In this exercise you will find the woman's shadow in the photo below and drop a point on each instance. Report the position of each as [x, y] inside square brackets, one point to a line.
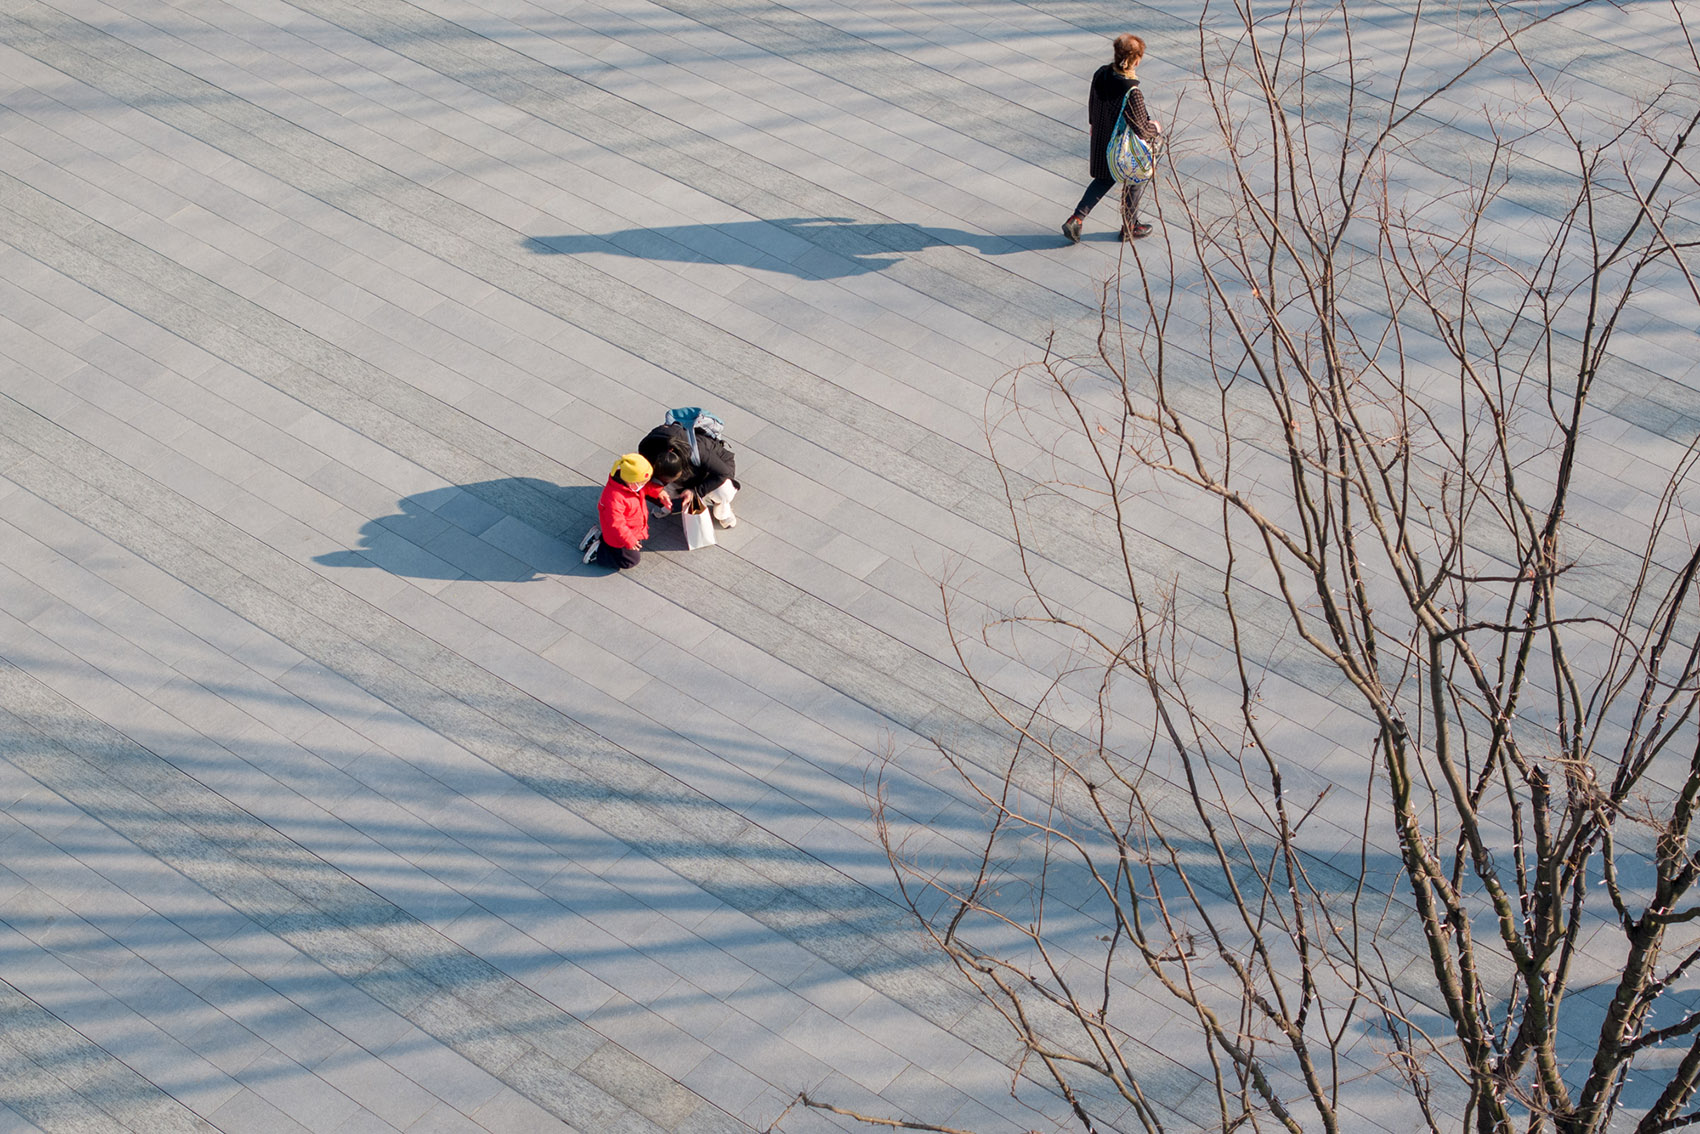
[812, 248]
[513, 530]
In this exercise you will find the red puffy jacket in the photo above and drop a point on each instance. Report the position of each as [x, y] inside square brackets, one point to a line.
[622, 514]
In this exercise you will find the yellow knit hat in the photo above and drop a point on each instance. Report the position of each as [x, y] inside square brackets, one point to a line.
[633, 469]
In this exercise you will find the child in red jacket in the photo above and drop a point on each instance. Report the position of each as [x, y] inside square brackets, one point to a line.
[622, 516]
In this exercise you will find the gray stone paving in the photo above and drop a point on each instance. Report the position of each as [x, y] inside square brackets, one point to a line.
[337, 795]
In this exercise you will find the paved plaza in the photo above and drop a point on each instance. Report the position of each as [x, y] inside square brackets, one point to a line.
[337, 794]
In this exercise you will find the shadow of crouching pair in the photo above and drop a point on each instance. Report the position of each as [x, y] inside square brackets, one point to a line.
[513, 530]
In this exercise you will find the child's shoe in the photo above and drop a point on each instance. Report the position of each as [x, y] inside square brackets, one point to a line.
[723, 516]
[591, 544]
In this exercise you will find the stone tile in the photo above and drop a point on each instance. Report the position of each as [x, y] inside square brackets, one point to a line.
[248, 1112]
[365, 1122]
[386, 1095]
[297, 1092]
[14, 1123]
[510, 1110]
[445, 1119]
[446, 1074]
[779, 1063]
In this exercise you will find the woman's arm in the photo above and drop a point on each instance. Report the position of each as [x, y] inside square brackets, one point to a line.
[1143, 124]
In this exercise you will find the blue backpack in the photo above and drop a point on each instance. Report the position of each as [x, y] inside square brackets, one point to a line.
[693, 418]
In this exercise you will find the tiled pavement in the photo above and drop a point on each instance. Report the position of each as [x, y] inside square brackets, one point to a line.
[338, 795]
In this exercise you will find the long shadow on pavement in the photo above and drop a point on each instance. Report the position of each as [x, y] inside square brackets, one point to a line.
[512, 530]
[807, 247]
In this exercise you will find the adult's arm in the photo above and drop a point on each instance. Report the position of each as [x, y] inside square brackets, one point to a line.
[1140, 119]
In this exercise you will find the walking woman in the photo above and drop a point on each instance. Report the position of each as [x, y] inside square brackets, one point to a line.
[1110, 84]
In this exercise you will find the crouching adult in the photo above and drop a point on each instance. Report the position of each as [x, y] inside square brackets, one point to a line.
[707, 471]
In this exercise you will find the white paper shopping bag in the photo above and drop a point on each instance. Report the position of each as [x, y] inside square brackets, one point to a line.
[699, 528]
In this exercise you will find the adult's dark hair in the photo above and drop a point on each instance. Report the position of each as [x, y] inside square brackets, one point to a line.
[669, 466]
[1130, 49]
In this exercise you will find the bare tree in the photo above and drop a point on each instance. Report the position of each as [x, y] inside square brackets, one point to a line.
[1373, 802]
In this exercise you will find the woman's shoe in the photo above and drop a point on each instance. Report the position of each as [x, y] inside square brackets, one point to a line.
[1138, 231]
[1072, 226]
[723, 516]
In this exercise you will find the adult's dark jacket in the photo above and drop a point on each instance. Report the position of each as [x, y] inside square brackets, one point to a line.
[718, 464]
[1104, 103]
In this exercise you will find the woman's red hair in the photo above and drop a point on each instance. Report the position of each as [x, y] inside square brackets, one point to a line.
[1130, 49]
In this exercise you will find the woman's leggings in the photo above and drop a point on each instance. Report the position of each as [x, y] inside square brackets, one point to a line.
[1102, 185]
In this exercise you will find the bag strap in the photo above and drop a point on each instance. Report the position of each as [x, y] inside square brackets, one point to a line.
[694, 418]
[1123, 126]
[686, 419]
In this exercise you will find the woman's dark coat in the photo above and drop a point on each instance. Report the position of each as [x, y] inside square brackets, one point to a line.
[718, 464]
[1102, 105]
